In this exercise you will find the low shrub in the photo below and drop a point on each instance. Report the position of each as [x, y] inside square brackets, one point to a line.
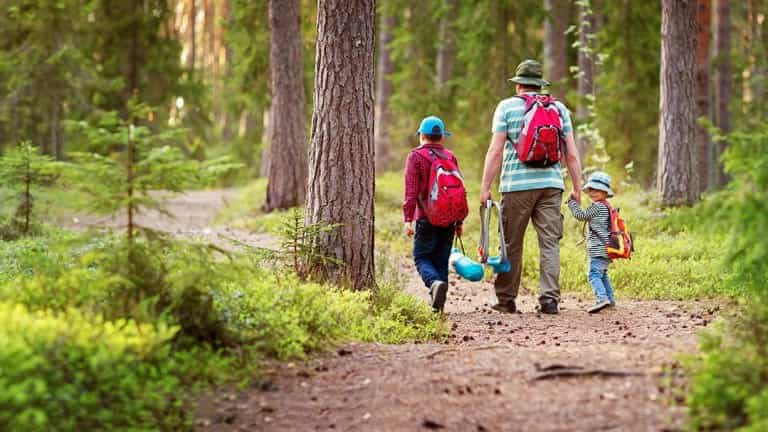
[284, 317]
[70, 371]
[728, 385]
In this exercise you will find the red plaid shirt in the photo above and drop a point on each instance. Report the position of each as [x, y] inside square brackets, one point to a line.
[417, 181]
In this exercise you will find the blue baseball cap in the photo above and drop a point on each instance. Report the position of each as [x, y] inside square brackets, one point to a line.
[432, 126]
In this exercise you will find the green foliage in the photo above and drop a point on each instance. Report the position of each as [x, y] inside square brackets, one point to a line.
[25, 171]
[284, 317]
[69, 371]
[299, 244]
[745, 206]
[728, 389]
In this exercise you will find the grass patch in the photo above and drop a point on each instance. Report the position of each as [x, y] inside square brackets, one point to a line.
[679, 251]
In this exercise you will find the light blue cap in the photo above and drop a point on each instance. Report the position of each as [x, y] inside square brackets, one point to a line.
[432, 126]
[600, 181]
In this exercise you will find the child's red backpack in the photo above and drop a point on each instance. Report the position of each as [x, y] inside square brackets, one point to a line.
[620, 243]
[447, 199]
[541, 138]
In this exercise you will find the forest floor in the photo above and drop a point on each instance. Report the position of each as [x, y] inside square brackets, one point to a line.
[617, 370]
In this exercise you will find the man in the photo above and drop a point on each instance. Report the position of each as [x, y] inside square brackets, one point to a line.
[528, 193]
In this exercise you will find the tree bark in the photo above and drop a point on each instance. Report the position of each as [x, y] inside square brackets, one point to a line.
[288, 155]
[586, 71]
[446, 51]
[192, 35]
[704, 24]
[265, 142]
[723, 84]
[555, 44]
[676, 178]
[383, 116]
[341, 168]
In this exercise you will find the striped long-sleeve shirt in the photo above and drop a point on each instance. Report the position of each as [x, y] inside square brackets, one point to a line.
[599, 219]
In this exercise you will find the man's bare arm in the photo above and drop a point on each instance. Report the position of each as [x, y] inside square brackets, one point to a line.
[573, 162]
[492, 165]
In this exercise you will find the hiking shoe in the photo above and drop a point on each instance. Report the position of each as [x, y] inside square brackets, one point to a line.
[549, 308]
[505, 308]
[597, 307]
[437, 293]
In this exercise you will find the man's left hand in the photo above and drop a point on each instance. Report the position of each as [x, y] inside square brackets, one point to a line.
[459, 230]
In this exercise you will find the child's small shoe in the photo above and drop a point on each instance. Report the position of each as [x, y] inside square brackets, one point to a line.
[437, 294]
[597, 307]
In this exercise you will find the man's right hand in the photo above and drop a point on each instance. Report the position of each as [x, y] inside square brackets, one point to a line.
[484, 197]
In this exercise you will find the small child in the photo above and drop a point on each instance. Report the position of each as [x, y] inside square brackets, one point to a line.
[431, 244]
[598, 216]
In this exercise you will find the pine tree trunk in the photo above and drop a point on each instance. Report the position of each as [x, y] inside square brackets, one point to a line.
[446, 51]
[192, 35]
[586, 69]
[555, 44]
[382, 139]
[265, 137]
[676, 178]
[288, 154]
[341, 168]
[723, 84]
[704, 24]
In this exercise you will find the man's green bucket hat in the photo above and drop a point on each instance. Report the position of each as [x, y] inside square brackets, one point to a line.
[530, 72]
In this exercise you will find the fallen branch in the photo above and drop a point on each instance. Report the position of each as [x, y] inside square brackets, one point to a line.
[447, 350]
[580, 372]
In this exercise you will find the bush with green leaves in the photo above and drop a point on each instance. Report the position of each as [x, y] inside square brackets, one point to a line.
[71, 371]
[284, 317]
[729, 383]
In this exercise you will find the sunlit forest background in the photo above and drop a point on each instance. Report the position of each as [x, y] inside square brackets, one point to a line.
[204, 65]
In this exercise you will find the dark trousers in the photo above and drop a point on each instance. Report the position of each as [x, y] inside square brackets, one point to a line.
[431, 250]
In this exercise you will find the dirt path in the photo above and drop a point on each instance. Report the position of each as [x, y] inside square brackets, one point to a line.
[489, 376]
[190, 215]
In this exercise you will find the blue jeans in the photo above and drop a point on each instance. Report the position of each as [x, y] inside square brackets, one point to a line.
[598, 278]
[431, 250]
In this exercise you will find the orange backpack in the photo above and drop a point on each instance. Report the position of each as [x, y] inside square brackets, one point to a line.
[620, 243]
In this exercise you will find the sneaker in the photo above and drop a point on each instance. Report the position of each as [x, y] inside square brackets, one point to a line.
[437, 293]
[550, 308]
[597, 307]
[505, 308]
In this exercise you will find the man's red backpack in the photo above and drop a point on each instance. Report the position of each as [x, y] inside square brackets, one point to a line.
[620, 242]
[541, 138]
[446, 201]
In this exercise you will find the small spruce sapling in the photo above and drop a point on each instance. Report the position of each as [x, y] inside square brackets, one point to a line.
[146, 162]
[25, 171]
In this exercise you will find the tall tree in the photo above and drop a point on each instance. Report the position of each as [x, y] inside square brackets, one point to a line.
[703, 35]
[341, 167]
[586, 68]
[556, 43]
[446, 50]
[385, 67]
[723, 83]
[676, 179]
[288, 156]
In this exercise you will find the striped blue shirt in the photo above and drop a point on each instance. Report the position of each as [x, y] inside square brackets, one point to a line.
[515, 175]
